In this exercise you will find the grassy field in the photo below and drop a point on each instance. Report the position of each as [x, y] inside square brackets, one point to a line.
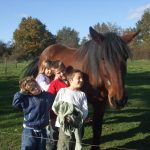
[128, 128]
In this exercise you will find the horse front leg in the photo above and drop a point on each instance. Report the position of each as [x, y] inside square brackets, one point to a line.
[98, 113]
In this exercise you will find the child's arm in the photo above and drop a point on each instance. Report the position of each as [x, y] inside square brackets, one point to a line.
[18, 100]
[44, 85]
[84, 107]
[42, 82]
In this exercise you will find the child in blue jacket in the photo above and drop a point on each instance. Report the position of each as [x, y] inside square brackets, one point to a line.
[35, 105]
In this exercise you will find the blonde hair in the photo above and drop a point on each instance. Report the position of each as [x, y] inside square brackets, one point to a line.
[27, 84]
[45, 64]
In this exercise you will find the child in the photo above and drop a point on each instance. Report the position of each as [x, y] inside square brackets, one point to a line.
[58, 83]
[45, 72]
[72, 101]
[60, 78]
[35, 104]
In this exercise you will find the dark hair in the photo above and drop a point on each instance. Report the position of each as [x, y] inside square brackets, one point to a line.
[70, 72]
[57, 64]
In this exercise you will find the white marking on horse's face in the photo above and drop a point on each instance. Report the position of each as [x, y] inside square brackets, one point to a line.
[108, 82]
[110, 101]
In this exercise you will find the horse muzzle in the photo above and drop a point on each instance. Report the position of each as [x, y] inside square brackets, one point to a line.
[118, 103]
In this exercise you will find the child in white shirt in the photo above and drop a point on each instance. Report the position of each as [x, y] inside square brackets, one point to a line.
[71, 95]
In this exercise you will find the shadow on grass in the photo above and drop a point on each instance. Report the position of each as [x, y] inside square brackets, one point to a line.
[133, 79]
[143, 117]
[143, 144]
[139, 87]
[8, 86]
[10, 124]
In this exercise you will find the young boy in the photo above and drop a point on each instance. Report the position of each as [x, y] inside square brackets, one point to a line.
[60, 78]
[58, 83]
[70, 100]
[35, 104]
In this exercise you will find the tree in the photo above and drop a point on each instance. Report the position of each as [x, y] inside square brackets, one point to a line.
[141, 45]
[84, 40]
[2, 48]
[144, 25]
[108, 27]
[5, 50]
[31, 38]
[68, 37]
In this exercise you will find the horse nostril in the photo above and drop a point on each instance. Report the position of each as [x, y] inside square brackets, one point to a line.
[114, 102]
[121, 103]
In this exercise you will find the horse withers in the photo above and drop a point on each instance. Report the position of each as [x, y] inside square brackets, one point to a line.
[103, 62]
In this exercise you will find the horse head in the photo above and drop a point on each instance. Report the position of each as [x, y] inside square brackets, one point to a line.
[113, 55]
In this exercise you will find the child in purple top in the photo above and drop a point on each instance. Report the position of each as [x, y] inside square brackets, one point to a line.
[45, 72]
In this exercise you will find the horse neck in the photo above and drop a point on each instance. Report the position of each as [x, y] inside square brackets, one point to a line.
[89, 66]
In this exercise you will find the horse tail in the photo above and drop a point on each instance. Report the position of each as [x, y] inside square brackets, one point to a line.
[32, 68]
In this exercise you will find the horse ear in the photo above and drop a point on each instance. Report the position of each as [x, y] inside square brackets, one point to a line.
[96, 36]
[127, 37]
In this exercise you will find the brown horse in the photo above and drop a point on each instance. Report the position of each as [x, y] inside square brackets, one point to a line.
[103, 62]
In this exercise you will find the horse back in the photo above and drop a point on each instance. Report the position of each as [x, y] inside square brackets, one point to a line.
[58, 52]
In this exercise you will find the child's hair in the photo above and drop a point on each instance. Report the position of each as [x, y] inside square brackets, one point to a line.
[45, 64]
[57, 64]
[27, 84]
[70, 72]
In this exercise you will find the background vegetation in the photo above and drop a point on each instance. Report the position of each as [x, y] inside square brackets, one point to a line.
[128, 128]
[32, 37]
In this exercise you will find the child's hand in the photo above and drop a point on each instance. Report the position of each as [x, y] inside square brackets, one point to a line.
[23, 92]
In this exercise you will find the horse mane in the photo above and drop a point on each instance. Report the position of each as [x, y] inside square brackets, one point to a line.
[112, 50]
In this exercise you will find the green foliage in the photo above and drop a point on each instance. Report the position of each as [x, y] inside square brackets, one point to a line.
[107, 27]
[5, 49]
[68, 36]
[84, 39]
[2, 48]
[32, 37]
[144, 25]
[141, 45]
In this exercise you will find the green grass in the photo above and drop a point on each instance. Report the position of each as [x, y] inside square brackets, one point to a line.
[10, 120]
[128, 128]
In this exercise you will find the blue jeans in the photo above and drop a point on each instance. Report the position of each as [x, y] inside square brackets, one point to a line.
[32, 140]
